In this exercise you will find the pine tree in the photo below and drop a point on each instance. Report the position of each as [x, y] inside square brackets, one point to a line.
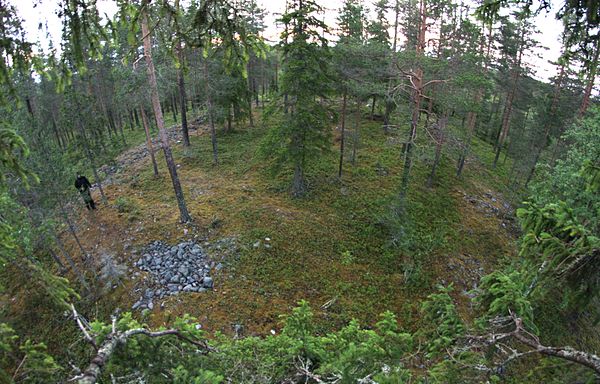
[184, 214]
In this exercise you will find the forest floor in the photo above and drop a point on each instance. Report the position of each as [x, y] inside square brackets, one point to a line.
[330, 247]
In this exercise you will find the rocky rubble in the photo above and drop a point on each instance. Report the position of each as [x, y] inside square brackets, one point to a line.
[184, 267]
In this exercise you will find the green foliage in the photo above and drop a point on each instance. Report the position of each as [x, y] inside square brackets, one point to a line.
[26, 362]
[128, 207]
[562, 255]
[12, 151]
[443, 323]
[574, 177]
[502, 293]
[303, 134]
[347, 257]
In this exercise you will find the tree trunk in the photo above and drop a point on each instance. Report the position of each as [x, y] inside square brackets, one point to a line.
[149, 141]
[591, 78]
[164, 138]
[136, 118]
[342, 136]
[506, 115]
[409, 144]
[213, 131]
[416, 96]
[229, 118]
[553, 106]
[122, 132]
[182, 97]
[355, 133]
[71, 262]
[298, 184]
[373, 106]
[57, 260]
[389, 106]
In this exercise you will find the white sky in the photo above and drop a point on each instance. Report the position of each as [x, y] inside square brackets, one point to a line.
[45, 13]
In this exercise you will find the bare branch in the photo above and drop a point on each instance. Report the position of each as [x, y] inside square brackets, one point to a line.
[115, 338]
[86, 334]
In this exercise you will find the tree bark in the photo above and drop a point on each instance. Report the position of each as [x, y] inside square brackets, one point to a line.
[149, 145]
[355, 133]
[182, 97]
[506, 115]
[184, 214]
[553, 107]
[591, 78]
[416, 101]
[342, 136]
[213, 131]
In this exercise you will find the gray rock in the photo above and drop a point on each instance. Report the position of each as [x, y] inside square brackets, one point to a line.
[150, 305]
[174, 279]
[188, 288]
[207, 282]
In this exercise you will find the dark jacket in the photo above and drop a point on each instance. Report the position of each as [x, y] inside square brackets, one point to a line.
[82, 183]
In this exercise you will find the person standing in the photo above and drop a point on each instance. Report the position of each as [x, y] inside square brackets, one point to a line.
[83, 185]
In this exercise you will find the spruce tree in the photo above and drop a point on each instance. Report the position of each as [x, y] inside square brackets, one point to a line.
[303, 134]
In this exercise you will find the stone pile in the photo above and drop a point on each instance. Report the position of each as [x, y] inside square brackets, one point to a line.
[184, 267]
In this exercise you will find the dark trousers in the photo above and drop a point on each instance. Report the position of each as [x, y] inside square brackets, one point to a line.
[87, 197]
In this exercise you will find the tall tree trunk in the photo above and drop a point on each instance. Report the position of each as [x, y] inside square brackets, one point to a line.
[149, 145]
[355, 133]
[182, 97]
[410, 142]
[174, 107]
[58, 261]
[229, 119]
[591, 78]
[472, 116]
[164, 138]
[389, 103]
[213, 131]
[122, 132]
[342, 136]
[416, 101]
[135, 116]
[553, 107]
[506, 115]
[373, 107]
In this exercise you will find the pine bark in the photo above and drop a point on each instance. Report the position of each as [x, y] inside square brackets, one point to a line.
[160, 123]
[149, 145]
[416, 102]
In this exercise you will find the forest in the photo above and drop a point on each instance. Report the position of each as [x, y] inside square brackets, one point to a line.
[395, 196]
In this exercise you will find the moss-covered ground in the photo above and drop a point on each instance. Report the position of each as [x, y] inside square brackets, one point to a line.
[333, 247]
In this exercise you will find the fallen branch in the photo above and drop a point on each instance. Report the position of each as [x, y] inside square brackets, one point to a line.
[115, 338]
[526, 338]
